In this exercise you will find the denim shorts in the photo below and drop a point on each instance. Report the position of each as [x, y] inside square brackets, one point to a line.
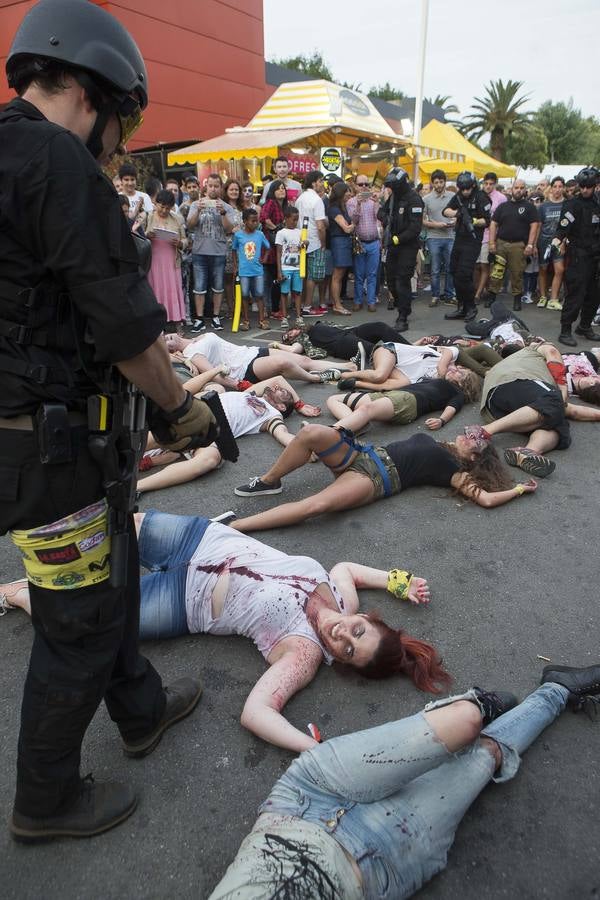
[253, 286]
[292, 282]
[167, 543]
[209, 272]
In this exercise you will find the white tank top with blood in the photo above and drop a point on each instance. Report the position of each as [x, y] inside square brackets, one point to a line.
[267, 594]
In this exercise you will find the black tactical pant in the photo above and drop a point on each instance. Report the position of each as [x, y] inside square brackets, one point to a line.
[399, 269]
[85, 645]
[582, 289]
[345, 343]
[462, 265]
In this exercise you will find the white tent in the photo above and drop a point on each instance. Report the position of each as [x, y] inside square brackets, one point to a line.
[533, 176]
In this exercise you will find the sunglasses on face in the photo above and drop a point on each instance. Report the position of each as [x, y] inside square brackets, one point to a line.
[363, 183]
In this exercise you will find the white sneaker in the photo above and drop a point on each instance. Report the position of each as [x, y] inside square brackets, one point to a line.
[526, 298]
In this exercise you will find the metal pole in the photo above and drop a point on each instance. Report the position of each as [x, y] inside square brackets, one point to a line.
[420, 80]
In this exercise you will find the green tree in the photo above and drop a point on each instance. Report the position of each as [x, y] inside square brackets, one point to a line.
[528, 147]
[386, 92]
[500, 113]
[441, 100]
[565, 130]
[313, 65]
[591, 147]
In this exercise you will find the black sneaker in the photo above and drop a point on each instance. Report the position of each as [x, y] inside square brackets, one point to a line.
[198, 326]
[493, 704]
[582, 684]
[256, 487]
[360, 357]
[565, 337]
[588, 333]
[328, 375]
[400, 325]
[182, 697]
[346, 384]
[98, 807]
[216, 324]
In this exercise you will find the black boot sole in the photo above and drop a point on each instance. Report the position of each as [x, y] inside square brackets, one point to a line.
[34, 836]
[137, 751]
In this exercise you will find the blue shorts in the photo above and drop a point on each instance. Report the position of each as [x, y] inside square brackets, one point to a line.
[209, 272]
[253, 286]
[292, 282]
[167, 543]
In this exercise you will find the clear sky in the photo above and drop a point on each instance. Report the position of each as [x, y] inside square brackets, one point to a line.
[553, 46]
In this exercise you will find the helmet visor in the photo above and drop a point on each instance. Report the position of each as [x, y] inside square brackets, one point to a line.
[130, 116]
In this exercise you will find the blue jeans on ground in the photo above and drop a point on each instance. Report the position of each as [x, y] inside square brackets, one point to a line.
[167, 543]
[439, 251]
[366, 266]
[393, 796]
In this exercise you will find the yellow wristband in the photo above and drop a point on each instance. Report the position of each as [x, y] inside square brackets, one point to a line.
[399, 582]
[519, 489]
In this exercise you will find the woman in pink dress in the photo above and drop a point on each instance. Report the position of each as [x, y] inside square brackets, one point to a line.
[167, 233]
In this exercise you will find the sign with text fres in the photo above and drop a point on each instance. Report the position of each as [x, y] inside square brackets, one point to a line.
[332, 161]
[301, 165]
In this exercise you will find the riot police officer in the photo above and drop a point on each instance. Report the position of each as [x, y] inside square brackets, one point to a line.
[402, 218]
[472, 210]
[579, 224]
[75, 311]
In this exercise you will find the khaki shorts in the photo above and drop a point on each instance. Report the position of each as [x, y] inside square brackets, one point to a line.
[484, 253]
[405, 405]
[364, 465]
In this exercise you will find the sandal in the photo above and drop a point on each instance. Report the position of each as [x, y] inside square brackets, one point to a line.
[5, 604]
[244, 326]
[529, 461]
[340, 312]
[265, 325]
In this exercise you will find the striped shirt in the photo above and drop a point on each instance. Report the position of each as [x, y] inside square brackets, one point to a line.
[365, 218]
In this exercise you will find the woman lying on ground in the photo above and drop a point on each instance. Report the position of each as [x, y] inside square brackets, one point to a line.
[337, 826]
[395, 365]
[260, 408]
[206, 578]
[355, 410]
[469, 464]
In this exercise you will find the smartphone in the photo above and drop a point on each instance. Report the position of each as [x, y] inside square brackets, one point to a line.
[208, 202]
[364, 194]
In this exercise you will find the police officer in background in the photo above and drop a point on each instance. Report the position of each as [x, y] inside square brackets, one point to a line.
[579, 223]
[402, 219]
[74, 308]
[472, 210]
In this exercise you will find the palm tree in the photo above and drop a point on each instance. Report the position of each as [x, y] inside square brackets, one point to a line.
[442, 102]
[500, 113]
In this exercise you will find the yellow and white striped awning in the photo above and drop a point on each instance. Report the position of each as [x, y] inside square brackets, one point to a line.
[321, 104]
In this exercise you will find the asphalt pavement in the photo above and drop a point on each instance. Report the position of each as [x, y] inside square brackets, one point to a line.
[509, 586]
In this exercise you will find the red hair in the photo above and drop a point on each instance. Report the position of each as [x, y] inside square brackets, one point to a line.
[399, 653]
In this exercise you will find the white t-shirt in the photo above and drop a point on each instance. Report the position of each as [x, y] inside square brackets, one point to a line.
[289, 239]
[418, 363]
[219, 352]
[310, 204]
[267, 591]
[246, 412]
[507, 332]
[147, 204]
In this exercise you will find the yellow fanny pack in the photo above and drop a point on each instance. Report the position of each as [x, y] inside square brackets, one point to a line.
[73, 552]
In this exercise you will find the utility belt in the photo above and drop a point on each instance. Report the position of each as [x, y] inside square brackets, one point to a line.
[116, 426]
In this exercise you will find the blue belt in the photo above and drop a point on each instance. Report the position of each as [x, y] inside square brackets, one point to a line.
[347, 438]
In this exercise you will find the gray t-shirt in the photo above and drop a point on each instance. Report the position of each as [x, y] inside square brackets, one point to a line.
[549, 216]
[434, 204]
[210, 238]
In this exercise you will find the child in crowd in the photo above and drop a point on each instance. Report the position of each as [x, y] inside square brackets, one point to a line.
[248, 245]
[288, 244]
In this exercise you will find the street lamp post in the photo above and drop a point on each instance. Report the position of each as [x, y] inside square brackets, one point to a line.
[420, 80]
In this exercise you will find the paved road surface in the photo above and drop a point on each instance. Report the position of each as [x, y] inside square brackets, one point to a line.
[507, 585]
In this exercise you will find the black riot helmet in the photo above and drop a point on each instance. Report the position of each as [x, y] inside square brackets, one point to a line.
[396, 177]
[95, 48]
[588, 177]
[466, 181]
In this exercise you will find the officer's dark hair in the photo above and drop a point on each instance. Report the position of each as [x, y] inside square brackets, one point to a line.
[127, 169]
[48, 74]
[438, 173]
[248, 213]
[152, 186]
[165, 197]
[311, 178]
[491, 176]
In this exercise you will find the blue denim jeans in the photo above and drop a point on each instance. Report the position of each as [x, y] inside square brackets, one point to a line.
[167, 543]
[393, 796]
[209, 272]
[366, 266]
[439, 251]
